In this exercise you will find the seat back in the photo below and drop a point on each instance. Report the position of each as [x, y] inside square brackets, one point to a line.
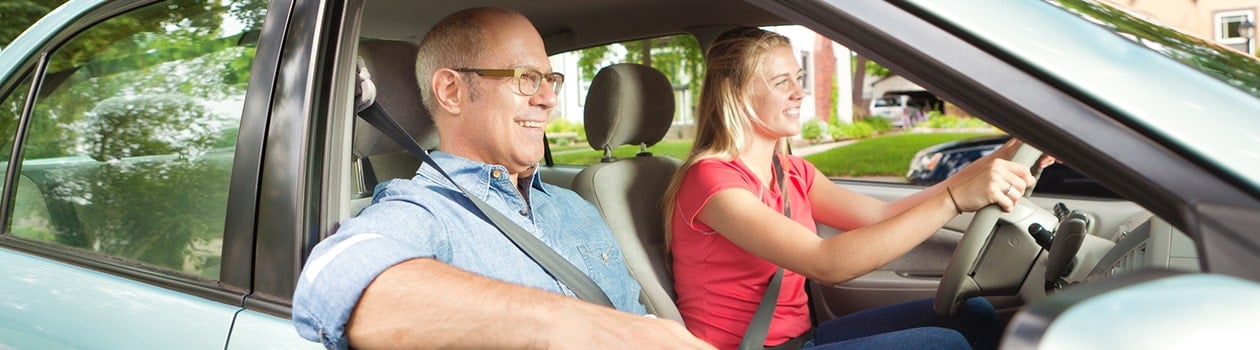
[377, 157]
[392, 65]
[631, 104]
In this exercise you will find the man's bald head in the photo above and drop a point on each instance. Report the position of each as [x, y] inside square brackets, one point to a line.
[458, 40]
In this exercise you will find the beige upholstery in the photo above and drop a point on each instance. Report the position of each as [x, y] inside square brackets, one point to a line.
[392, 65]
[632, 104]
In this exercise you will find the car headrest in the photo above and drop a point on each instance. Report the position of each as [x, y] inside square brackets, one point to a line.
[628, 104]
[392, 67]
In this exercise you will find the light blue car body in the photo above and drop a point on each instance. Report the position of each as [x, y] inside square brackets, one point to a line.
[47, 304]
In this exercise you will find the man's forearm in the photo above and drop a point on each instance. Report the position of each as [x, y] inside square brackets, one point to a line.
[424, 303]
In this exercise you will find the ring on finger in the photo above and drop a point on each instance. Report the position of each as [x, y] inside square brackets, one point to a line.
[1008, 189]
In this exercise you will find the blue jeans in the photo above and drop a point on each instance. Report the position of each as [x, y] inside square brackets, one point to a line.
[912, 325]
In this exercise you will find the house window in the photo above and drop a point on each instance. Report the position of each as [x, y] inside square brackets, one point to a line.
[807, 63]
[1226, 26]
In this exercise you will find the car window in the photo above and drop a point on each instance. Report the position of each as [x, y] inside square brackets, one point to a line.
[898, 132]
[677, 56]
[131, 138]
[885, 102]
[878, 153]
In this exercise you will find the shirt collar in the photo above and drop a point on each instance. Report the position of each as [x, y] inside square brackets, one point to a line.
[467, 172]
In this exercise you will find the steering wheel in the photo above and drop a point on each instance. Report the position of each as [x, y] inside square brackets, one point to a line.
[958, 282]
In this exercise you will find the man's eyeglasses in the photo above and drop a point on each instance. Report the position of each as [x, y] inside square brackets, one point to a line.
[527, 80]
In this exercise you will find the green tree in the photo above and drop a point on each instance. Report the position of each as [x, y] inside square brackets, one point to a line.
[17, 15]
[861, 68]
[154, 194]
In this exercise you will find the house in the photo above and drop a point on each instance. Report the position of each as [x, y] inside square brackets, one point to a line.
[1215, 20]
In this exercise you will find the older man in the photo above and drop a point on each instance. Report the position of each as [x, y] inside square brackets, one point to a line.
[420, 267]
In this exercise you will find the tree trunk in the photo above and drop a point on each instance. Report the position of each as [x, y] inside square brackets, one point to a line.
[859, 82]
[646, 49]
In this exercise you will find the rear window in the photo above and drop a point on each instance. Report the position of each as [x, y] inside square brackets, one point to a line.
[131, 138]
[886, 102]
[678, 57]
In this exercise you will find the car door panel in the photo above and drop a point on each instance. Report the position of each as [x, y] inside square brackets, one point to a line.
[254, 330]
[66, 306]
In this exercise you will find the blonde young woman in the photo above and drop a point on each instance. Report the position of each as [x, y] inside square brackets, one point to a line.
[728, 233]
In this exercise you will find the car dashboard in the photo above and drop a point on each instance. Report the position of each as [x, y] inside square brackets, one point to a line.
[1141, 242]
[1143, 291]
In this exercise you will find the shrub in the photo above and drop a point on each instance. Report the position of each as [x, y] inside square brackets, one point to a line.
[812, 131]
[559, 125]
[879, 125]
[946, 121]
[858, 130]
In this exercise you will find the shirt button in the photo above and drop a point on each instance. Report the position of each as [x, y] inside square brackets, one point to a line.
[604, 256]
[496, 173]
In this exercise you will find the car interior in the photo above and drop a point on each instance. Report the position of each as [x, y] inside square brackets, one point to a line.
[186, 156]
[1117, 236]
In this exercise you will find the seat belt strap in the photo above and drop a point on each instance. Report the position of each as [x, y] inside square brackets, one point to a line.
[555, 265]
[755, 335]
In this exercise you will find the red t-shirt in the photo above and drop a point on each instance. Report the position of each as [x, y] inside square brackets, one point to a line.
[719, 285]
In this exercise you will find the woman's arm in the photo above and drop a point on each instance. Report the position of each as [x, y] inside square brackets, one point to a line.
[846, 210]
[742, 218]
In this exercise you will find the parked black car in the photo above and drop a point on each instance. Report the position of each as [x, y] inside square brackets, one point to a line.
[936, 163]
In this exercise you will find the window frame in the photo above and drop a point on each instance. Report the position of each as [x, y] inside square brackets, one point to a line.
[1221, 21]
[229, 288]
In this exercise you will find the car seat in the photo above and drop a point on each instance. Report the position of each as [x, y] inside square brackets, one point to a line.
[632, 104]
[392, 66]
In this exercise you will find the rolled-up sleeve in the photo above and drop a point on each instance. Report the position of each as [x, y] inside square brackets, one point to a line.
[342, 266]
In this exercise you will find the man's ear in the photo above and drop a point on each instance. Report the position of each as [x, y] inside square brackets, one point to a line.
[447, 87]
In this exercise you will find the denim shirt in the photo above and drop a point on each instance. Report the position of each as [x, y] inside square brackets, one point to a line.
[427, 217]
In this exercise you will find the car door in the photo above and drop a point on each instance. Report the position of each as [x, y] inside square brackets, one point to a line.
[915, 275]
[126, 118]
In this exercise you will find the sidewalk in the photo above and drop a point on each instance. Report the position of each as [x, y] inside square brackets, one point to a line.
[801, 151]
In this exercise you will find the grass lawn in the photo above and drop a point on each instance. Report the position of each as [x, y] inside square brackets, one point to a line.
[881, 156]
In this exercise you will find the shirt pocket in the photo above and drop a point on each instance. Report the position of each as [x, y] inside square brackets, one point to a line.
[602, 259]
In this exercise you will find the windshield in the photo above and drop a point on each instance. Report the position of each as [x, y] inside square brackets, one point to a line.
[1225, 64]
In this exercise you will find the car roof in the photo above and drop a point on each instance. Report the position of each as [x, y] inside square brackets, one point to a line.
[573, 24]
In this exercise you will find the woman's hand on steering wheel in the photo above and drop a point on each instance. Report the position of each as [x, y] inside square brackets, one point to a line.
[996, 181]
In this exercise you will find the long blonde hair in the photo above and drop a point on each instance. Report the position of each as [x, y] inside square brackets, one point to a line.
[724, 117]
